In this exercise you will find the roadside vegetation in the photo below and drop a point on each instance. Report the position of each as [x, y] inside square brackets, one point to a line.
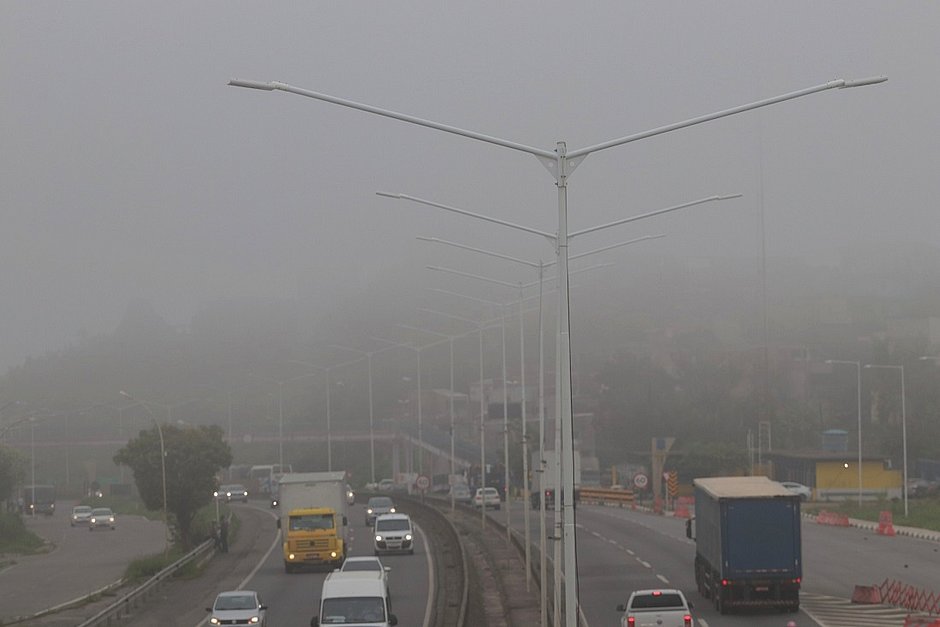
[16, 538]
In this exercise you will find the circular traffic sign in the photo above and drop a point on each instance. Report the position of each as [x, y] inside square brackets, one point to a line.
[640, 480]
[422, 482]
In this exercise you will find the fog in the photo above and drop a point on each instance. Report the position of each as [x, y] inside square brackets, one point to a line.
[132, 173]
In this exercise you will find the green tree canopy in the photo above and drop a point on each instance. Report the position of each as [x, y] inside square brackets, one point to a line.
[193, 457]
[12, 466]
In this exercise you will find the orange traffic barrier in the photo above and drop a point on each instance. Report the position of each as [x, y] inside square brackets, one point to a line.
[866, 595]
[885, 524]
[832, 518]
[682, 507]
[921, 621]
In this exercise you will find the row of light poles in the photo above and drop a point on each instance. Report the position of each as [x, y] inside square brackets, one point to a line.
[561, 164]
[858, 371]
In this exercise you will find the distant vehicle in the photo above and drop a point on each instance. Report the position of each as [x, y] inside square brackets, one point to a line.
[377, 506]
[232, 492]
[461, 493]
[386, 485]
[922, 487]
[81, 515]
[350, 495]
[368, 566]
[354, 599]
[487, 497]
[805, 493]
[39, 499]
[238, 607]
[101, 517]
[393, 533]
[656, 608]
[748, 551]
[266, 476]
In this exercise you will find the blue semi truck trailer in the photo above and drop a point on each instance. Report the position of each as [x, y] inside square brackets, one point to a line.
[747, 543]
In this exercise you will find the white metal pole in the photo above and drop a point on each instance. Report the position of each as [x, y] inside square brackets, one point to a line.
[858, 369]
[452, 461]
[420, 432]
[525, 450]
[482, 440]
[502, 339]
[371, 420]
[280, 424]
[543, 556]
[904, 438]
[329, 425]
[32, 464]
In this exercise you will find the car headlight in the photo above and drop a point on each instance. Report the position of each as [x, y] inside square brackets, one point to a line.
[392, 510]
[229, 494]
[369, 511]
[290, 556]
[92, 520]
[254, 620]
[333, 554]
[407, 536]
[216, 494]
[214, 621]
[111, 519]
[378, 538]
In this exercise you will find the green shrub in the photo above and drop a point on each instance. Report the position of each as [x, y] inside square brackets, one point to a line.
[16, 538]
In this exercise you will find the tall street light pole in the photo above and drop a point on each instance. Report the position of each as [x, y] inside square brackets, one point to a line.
[561, 164]
[368, 355]
[858, 371]
[162, 464]
[903, 426]
[328, 370]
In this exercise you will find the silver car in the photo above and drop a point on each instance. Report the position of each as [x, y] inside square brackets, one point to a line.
[101, 518]
[238, 607]
[377, 506]
[81, 514]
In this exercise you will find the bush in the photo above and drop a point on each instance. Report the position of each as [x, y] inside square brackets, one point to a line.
[16, 538]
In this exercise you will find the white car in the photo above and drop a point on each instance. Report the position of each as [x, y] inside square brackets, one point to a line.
[101, 517]
[487, 497]
[238, 607]
[393, 533]
[656, 608]
[81, 515]
[805, 493]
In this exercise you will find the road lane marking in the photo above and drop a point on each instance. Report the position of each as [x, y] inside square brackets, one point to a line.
[663, 579]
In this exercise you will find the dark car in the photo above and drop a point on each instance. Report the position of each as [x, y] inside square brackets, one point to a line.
[232, 492]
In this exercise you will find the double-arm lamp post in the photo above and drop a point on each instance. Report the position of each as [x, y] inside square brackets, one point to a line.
[561, 164]
[858, 384]
[903, 427]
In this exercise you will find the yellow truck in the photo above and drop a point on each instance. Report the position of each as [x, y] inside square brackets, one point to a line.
[313, 519]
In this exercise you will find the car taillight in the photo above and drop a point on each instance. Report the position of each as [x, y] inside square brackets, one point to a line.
[687, 620]
[631, 622]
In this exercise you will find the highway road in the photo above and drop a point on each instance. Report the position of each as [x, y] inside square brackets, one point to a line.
[81, 562]
[620, 550]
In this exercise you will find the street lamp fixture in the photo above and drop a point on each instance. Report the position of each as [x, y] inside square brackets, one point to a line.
[162, 464]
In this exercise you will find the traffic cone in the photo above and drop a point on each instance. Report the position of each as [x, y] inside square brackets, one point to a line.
[885, 524]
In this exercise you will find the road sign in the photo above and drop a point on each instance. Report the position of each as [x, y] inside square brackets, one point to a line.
[640, 481]
[422, 482]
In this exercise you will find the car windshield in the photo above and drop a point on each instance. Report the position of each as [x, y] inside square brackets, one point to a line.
[656, 601]
[311, 522]
[380, 501]
[236, 602]
[101, 512]
[357, 565]
[396, 524]
[81, 509]
[352, 610]
[233, 488]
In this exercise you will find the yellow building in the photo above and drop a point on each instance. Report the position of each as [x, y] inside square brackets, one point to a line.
[835, 476]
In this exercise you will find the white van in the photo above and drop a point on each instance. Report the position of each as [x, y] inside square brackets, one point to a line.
[354, 600]
[393, 533]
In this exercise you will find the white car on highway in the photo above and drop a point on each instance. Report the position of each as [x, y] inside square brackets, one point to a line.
[656, 608]
[805, 493]
[487, 497]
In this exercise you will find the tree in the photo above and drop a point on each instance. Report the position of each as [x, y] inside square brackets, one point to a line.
[194, 455]
[11, 471]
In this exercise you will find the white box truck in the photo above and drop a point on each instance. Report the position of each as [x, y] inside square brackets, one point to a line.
[313, 519]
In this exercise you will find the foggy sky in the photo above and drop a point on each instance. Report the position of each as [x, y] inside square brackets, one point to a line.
[130, 170]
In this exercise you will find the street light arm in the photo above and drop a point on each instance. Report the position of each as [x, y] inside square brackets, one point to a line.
[474, 276]
[643, 216]
[550, 236]
[477, 250]
[612, 246]
[275, 85]
[836, 84]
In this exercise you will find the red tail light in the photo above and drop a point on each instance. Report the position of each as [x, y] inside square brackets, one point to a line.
[724, 582]
[631, 622]
[687, 620]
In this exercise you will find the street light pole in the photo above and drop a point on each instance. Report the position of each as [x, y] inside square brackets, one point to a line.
[162, 464]
[561, 165]
[903, 427]
[858, 371]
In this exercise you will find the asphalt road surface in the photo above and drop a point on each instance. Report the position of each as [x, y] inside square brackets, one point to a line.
[80, 562]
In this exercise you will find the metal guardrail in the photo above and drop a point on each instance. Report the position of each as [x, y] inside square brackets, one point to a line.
[139, 595]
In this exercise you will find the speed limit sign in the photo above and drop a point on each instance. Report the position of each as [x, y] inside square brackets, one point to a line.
[422, 482]
[640, 481]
